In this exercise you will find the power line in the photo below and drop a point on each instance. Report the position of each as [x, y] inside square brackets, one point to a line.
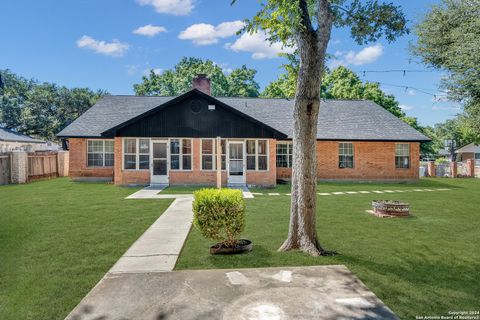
[404, 71]
[435, 95]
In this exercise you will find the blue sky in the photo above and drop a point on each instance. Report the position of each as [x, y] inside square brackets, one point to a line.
[108, 44]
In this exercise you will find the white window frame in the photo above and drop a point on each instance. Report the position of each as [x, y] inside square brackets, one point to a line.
[257, 155]
[213, 154]
[137, 153]
[409, 155]
[103, 153]
[181, 154]
[340, 149]
[288, 154]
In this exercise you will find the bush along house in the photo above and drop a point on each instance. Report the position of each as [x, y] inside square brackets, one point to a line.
[194, 138]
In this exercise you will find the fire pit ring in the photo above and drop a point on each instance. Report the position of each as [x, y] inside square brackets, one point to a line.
[390, 208]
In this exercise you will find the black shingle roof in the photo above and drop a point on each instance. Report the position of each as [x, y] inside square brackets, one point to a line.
[9, 135]
[338, 119]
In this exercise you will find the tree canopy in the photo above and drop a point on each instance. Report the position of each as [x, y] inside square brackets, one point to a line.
[239, 82]
[449, 39]
[41, 109]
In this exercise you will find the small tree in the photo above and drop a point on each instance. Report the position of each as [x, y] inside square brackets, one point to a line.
[219, 214]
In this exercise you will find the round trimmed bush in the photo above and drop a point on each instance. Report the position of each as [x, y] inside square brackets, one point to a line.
[219, 214]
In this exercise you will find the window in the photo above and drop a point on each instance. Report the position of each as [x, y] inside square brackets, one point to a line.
[181, 154]
[345, 155]
[251, 155]
[100, 153]
[402, 155]
[284, 154]
[209, 154]
[257, 155]
[136, 154]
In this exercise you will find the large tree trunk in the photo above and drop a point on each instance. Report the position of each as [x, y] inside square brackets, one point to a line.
[312, 47]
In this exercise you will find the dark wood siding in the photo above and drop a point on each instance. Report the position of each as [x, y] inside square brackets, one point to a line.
[191, 118]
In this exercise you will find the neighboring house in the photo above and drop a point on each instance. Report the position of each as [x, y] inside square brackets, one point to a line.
[150, 140]
[470, 151]
[11, 140]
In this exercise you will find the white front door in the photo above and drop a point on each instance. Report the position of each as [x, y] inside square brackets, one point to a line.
[236, 162]
[159, 164]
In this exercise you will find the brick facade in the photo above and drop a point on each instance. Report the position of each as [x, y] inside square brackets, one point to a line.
[373, 161]
[78, 169]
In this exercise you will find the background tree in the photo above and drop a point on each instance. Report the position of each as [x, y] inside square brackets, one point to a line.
[41, 109]
[449, 39]
[307, 25]
[240, 82]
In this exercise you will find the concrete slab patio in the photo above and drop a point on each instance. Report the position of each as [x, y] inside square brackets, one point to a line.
[317, 292]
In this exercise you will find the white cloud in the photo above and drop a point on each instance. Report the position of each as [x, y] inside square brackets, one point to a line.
[258, 45]
[149, 30]
[452, 108]
[202, 34]
[131, 69]
[405, 107]
[364, 56]
[411, 92]
[113, 49]
[174, 7]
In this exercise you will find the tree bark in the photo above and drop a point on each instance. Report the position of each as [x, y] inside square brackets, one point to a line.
[312, 45]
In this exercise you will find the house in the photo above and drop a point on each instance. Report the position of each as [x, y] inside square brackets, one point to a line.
[11, 140]
[470, 151]
[172, 140]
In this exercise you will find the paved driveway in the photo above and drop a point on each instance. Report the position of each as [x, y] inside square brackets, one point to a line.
[317, 292]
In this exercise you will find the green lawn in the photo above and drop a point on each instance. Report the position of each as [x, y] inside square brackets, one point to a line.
[425, 265]
[58, 238]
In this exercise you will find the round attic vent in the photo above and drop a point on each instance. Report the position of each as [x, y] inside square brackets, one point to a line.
[196, 106]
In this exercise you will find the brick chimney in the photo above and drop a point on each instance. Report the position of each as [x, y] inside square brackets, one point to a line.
[202, 82]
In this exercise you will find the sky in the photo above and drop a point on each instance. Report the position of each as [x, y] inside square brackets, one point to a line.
[111, 44]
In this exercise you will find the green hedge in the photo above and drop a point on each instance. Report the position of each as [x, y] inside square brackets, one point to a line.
[219, 214]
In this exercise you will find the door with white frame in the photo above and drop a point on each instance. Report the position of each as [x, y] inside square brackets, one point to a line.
[159, 165]
[236, 162]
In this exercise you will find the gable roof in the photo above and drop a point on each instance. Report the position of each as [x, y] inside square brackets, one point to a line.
[338, 119]
[471, 147]
[12, 136]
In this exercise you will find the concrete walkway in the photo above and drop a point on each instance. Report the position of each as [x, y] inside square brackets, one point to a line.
[154, 192]
[316, 292]
[157, 250]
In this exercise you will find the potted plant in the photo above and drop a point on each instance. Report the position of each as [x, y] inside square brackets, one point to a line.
[219, 214]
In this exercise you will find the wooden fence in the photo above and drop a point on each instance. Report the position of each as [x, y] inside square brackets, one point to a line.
[42, 165]
[5, 168]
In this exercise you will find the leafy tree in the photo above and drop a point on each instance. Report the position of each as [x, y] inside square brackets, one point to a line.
[457, 130]
[240, 82]
[41, 109]
[448, 39]
[307, 25]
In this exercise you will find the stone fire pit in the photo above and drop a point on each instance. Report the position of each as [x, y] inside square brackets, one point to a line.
[390, 208]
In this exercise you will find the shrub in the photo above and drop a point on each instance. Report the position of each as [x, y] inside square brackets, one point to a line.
[219, 214]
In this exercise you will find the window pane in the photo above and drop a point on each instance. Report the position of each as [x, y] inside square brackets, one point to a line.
[109, 146]
[282, 161]
[144, 161]
[207, 162]
[186, 146]
[95, 160]
[262, 162]
[175, 162]
[262, 146]
[223, 143]
[130, 146]
[402, 162]
[250, 162]
[175, 146]
[187, 162]
[290, 161]
[207, 146]
[224, 162]
[159, 150]
[250, 146]
[290, 148]
[109, 159]
[144, 145]
[130, 161]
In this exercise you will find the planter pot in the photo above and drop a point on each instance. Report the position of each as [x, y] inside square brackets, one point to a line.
[242, 245]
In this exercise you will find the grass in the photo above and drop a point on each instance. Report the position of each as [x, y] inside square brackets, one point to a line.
[425, 265]
[182, 189]
[58, 238]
